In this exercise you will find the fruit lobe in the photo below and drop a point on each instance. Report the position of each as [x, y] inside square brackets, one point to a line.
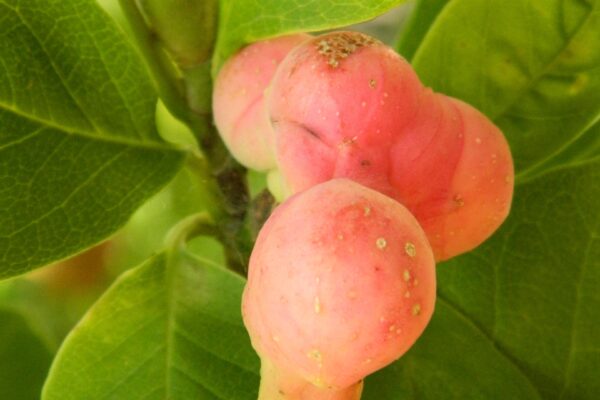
[345, 105]
[341, 283]
[238, 100]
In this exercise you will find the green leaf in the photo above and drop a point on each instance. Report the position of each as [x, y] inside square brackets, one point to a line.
[170, 328]
[24, 358]
[420, 20]
[521, 311]
[247, 21]
[585, 148]
[533, 67]
[443, 364]
[79, 151]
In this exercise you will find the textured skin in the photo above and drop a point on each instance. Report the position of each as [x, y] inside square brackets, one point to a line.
[345, 105]
[341, 283]
[238, 100]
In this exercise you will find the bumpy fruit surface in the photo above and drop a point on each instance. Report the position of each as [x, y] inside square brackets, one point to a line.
[341, 283]
[238, 100]
[345, 105]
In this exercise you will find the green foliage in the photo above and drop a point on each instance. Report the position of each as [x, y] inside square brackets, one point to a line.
[79, 151]
[531, 67]
[24, 358]
[177, 22]
[243, 22]
[424, 14]
[170, 328]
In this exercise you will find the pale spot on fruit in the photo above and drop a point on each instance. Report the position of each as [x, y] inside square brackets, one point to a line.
[392, 328]
[316, 355]
[381, 243]
[410, 249]
[385, 94]
[507, 179]
[317, 305]
[407, 294]
[276, 339]
[416, 282]
[352, 294]
[382, 319]
[406, 275]
[340, 236]
[363, 104]
[368, 361]
[372, 83]
[367, 211]
[337, 113]
[478, 140]
[416, 309]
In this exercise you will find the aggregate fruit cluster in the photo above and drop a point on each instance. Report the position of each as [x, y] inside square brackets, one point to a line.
[379, 177]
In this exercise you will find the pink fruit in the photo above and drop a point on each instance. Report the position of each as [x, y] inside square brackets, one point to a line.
[341, 283]
[345, 105]
[238, 101]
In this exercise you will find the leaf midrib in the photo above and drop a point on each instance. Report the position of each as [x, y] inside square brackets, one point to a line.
[172, 262]
[63, 82]
[88, 135]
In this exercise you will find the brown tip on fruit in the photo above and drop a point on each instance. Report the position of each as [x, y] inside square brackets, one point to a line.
[338, 46]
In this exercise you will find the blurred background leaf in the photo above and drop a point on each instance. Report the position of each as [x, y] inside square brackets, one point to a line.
[424, 13]
[24, 357]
